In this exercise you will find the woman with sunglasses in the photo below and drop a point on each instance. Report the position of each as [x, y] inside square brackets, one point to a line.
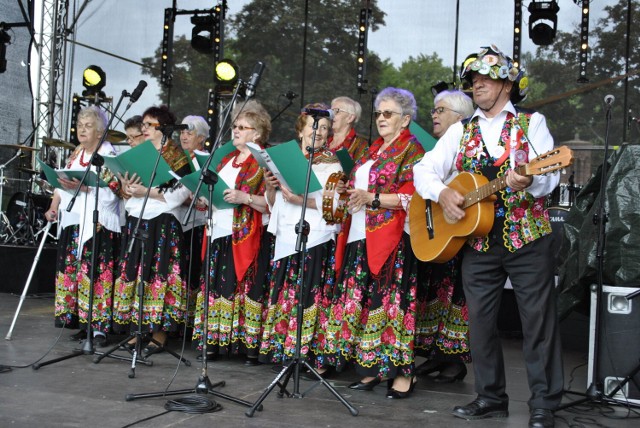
[346, 113]
[372, 318]
[280, 327]
[160, 267]
[442, 333]
[240, 249]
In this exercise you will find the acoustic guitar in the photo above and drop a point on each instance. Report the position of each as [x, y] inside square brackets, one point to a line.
[438, 238]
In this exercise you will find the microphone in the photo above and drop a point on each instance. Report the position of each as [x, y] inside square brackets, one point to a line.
[290, 95]
[609, 99]
[170, 129]
[318, 113]
[136, 93]
[255, 79]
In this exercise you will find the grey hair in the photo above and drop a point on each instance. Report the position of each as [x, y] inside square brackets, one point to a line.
[402, 97]
[458, 101]
[355, 107]
[97, 114]
[200, 125]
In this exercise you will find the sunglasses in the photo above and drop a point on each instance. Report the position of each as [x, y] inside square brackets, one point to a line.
[386, 114]
[242, 128]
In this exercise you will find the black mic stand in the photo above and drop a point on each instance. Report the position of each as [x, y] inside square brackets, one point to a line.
[143, 237]
[98, 161]
[595, 393]
[293, 367]
[204, 384]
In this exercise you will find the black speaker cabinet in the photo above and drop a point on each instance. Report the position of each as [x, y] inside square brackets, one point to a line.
[619, 341]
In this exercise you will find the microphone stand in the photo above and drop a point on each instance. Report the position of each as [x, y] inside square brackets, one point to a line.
[143, 237]
[97, 161]
[595, 391]
[293, 368]
[203, 384]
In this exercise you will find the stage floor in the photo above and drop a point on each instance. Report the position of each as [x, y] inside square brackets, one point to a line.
[78, 393]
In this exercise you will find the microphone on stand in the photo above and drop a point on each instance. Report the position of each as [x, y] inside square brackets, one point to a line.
[609, 99]
[136, 93]
[170, 129]
[255, 79]
[318, 112]
[290, 95]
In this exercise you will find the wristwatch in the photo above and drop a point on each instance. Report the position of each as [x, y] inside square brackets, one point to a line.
[250, 200]
[375, 204]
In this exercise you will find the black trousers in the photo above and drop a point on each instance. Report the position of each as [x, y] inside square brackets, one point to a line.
[530, 269]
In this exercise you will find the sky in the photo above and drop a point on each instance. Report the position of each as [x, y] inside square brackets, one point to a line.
[412, 27]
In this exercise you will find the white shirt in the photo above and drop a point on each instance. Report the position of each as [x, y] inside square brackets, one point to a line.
[437, 167]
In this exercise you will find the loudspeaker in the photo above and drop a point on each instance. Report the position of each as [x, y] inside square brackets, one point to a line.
[619, 342]
[15, 265]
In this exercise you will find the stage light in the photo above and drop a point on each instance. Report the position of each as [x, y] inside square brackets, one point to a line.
[543, 20]
[202, 34]
[439, 87]
[361, 62]
[517, 32]
[584, 43]
[226, 71]
[93, 80]
[167, 47]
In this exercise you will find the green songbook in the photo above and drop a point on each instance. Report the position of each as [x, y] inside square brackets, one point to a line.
[140, 160]
[288, 164]
[345, 160]
[52, 175]
[222, 151]
[427, 141]
[190, 181]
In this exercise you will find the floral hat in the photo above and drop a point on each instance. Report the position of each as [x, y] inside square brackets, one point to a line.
[490, 61]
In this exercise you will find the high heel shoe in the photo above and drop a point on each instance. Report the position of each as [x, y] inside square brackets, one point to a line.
[428, 367]
[324, 375]
[394, 394]
[365, 386]
[451, 373]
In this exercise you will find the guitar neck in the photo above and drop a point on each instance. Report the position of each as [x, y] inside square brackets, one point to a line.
[495, 185]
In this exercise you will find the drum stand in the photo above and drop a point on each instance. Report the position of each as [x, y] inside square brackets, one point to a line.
[294, 366]
[7, 233]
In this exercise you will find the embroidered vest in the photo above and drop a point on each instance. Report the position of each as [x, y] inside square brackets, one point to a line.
[519, 217]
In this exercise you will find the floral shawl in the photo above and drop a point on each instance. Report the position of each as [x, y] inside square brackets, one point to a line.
[247, 226]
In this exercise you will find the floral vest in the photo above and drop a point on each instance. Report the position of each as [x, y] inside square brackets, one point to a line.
[519, 217]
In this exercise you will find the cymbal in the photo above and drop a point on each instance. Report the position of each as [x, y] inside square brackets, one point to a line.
[53, 142]
[19, 147]
[28, 170]
[114, 136]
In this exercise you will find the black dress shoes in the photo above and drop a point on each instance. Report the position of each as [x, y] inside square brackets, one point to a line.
[428, 367]
[80, 335]
[307, 375]
[395, 394]
[252, 362]
[451, 372]
[541, 418]
[211, 356]
[365, 386]
[480, 409]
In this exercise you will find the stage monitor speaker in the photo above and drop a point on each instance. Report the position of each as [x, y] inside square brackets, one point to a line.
[619, 342]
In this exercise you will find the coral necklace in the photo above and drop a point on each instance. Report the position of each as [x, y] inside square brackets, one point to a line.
[236, 164]
[81, 160]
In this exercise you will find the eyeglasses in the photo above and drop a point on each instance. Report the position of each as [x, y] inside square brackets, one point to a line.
[441, 110]
[81, 125]
[386, 114]
[149, 124]
[339, 110]
[133, 137]
[242, 128]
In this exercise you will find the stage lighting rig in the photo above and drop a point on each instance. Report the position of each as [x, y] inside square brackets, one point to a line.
[203, 33]
[439, 87]
[543, 21]
[5, 39]
[225, 76]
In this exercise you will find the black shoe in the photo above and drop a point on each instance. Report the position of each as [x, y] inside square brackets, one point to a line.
[252, 362]
[211, 356]
[480, 409]
[151, 349]
[365, 386]
[80, 335]
[392, 393]
[451, 373]
[428, 367]
[541, 418]
[100, 341]
[310, 376]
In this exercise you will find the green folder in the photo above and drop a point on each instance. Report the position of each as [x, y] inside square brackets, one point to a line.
[427, 141]
[190, 181]
[222, 151]
[140, 160]
[52, 175]
[288, 164]
[345, 160]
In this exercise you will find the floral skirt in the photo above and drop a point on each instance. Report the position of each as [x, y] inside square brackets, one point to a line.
[235, 307]
[280, 326]
[442, 326]
[372, 318]
[73, 279]
[158, 272]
